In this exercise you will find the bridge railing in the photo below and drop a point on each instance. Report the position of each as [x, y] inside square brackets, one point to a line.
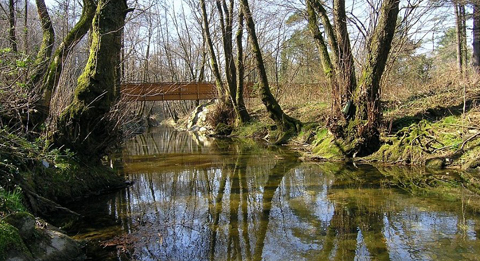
[168, 91]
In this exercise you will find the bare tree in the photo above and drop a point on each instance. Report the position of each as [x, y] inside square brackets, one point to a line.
[213, 58]
[476, 35]
[461, 33]
[286, 124]
[241, 110]
[361, 111]
[11, 29]
[25, 29]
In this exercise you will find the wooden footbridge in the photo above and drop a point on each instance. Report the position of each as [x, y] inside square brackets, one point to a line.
[166, 91]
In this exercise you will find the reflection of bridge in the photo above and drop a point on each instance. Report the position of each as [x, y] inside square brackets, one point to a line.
[168, 91]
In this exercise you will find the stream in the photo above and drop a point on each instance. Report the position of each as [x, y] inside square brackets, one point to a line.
[197, 198]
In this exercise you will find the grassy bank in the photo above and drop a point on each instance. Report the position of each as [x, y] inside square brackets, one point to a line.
[438, 128]
[436, 131]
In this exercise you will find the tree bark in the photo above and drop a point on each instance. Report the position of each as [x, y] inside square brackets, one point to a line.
[367, 95]
[461, 36]
[332, 38]
[11, 29]
[25, 31]
[55, 69]
[328, 67]
[476, 36]
[345, 63]
[213, 58]
[338, 65]
[46, 48]
[286, 124]
[84, 125]
[230, 93]
[242, 113]
[226, 25]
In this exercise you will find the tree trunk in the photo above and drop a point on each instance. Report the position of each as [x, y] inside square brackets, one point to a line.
[242, 113]
[366, 137]
[213, 58]
[25, 30]
[235, 82]
[332, 38]
[345, 64]
[338, 65]
[84, 125]
[226, 25]
[45, 52]
[476, 36]
[464, 36]
[328, 68]
[55, 69]
[287, 125]
[461, 37]
[11, 29]
[230, 94]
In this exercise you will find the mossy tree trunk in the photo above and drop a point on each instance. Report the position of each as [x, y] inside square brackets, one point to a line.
[461, 34]
[54, 71]
[356, 106]
[366, 101]
[85, 125]
[226, 25]
[328, 67]
[242, 113]
[286, 124]
[338, 63]
[46, 48]
[346, 67]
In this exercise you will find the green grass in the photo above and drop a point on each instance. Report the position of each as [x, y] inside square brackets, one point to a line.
[253, 129]
[10, 201]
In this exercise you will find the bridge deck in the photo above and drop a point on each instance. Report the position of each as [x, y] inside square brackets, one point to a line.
[168, 91]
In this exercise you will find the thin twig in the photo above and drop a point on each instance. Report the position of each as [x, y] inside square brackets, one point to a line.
[469, 139]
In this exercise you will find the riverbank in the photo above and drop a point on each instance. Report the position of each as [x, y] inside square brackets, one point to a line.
[436, 131]
[36, 182]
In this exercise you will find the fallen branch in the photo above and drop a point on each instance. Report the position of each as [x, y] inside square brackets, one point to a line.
[469, 139]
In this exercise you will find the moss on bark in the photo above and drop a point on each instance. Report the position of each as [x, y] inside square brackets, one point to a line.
[366, 99]
[46, 48]
[55, 68]
[85, 125]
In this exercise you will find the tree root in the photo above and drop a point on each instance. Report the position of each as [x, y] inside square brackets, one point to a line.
[40, 205]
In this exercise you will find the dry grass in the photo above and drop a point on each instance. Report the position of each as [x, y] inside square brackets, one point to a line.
[305, 102]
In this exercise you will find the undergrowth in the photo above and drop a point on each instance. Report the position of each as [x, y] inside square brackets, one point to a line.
[35, 168]
[11, 201]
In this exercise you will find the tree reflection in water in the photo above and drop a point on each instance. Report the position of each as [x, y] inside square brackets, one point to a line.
[242, 201]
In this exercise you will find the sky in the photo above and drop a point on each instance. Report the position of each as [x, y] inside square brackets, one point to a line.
[428, 37]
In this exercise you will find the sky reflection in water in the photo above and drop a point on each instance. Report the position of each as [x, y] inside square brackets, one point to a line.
[222, 200]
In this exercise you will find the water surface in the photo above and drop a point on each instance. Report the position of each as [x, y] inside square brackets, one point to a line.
[205, 199]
